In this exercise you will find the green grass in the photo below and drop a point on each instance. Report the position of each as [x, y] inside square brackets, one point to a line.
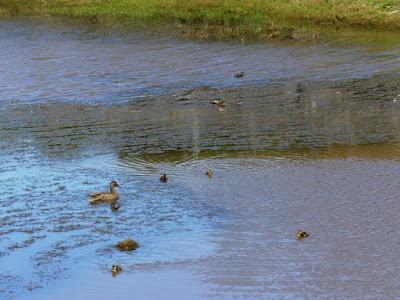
[231, 18]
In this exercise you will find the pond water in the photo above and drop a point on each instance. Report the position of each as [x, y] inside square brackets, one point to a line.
[309, 138]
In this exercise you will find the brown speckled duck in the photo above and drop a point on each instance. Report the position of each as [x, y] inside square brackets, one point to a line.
[209, 173]
[111, 196]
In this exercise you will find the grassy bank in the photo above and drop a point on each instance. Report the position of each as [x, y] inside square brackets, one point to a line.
[231, 18]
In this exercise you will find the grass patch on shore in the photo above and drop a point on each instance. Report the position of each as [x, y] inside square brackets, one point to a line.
[231, 18]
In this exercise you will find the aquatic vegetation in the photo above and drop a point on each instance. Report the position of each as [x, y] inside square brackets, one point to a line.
[219, 19]
[127, 245]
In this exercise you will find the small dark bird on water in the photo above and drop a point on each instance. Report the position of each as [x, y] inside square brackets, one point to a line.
[164, 178]
[209, 173]
[239, 74]
[115, 270]
[300, 234]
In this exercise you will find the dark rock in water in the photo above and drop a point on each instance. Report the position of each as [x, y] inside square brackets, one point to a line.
[115, 270]
[300, 234]
[127, 245]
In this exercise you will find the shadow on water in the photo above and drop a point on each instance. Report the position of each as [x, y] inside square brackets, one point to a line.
[316, 151]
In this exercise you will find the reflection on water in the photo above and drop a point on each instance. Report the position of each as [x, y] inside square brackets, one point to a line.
[276, 117]
[310, 152]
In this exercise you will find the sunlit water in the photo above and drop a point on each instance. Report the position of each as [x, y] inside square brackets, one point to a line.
[309, 139]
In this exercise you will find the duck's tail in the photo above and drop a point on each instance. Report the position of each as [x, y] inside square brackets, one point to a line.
[94, 198]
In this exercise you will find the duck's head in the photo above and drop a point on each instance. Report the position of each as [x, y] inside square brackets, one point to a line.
[114, 184]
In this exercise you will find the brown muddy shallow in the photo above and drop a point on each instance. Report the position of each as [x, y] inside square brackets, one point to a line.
[317, 152]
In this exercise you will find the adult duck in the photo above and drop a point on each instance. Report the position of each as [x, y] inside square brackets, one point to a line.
[111, 196]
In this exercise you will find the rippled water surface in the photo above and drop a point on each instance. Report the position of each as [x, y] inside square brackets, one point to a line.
[309, 138]
[42, 63]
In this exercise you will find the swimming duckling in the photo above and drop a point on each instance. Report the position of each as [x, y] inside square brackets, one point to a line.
[115, 270]
[300, 234]
[239, 74]
[209, 173]
[219, 102]
[111, 196]
[164, 178]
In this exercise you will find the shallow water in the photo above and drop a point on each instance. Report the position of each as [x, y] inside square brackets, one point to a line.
[309, 139]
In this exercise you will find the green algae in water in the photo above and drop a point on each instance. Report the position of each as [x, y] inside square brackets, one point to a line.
[127, 245]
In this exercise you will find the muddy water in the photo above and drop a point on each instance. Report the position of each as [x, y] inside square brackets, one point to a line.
[309, 139]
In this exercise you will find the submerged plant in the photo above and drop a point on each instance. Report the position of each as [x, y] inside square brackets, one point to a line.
[127, 245]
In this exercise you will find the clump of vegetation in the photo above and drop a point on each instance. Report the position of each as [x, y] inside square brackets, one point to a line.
[127, 245]
[220, 18]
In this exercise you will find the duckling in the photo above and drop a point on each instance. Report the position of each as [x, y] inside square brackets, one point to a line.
[219, 102]
[209, 173]
[239, 74]
[300, 234]
[115, 270]
[111, 196]
[164, 178]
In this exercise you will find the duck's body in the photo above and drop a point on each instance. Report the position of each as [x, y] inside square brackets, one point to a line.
[110, 197]
[300, 234]
[209, 173]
